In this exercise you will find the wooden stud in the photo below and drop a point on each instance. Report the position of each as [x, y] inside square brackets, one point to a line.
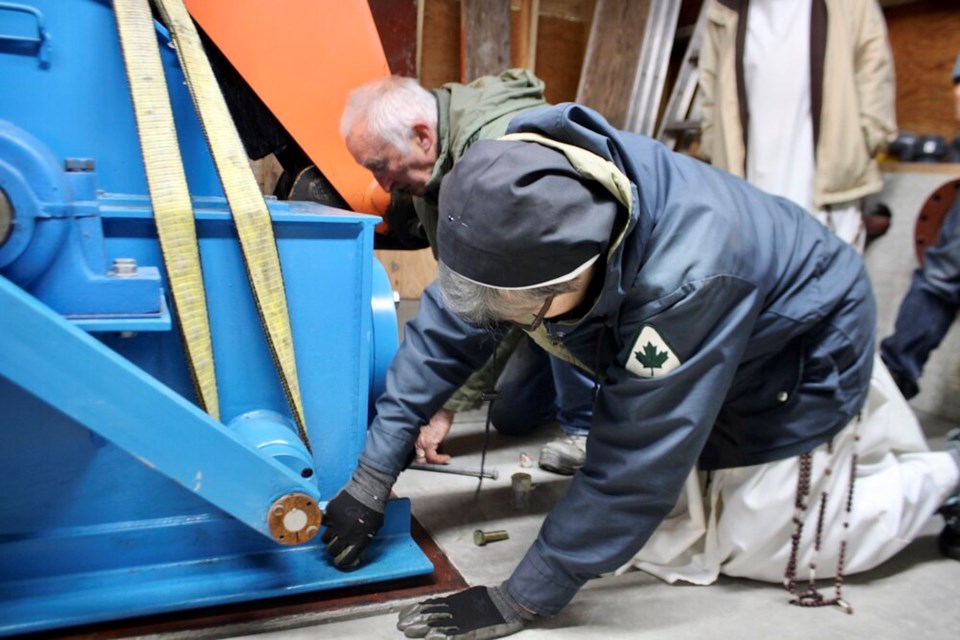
[485, 37]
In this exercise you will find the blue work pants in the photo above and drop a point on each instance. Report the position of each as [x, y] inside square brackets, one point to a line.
[536, 388]
[928, 309]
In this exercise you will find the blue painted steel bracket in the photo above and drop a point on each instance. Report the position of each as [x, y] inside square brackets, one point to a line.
[67, 369]
[120, 497]
[56, 250]
[125, 324]
[247, 570]
[26, 43]
[384, 334]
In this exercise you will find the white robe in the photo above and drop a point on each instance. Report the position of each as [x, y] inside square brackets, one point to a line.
[780, 153]
[743, 524]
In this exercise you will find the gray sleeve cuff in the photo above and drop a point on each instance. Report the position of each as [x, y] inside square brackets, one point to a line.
[370, 487]
[533, 586]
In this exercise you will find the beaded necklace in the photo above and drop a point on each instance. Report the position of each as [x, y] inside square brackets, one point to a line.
[811, 596]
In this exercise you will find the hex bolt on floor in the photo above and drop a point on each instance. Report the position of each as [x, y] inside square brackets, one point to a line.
[481, 537]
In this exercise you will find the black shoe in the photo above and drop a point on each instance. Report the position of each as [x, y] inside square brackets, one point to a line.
[950, 536]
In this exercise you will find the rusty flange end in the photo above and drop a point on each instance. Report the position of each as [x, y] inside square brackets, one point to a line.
[294, 519]
[934, 211]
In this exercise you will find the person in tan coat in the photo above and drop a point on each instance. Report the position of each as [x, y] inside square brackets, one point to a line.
[798, 98]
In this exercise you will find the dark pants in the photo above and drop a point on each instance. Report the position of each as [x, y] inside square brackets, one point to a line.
[537, 388]
[928, 309]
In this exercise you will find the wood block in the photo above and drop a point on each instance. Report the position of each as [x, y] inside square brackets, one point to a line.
[409, 271]
[924, 37]
[485, 32]
[612, 56]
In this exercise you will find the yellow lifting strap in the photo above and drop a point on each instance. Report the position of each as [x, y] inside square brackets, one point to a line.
[172, 207]
[250, 213]
[251, 216]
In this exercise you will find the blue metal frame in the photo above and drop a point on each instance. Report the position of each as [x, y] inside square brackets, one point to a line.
[80, 105]
[65, 368]
[38, 45]
[114, 478]
[120, 497]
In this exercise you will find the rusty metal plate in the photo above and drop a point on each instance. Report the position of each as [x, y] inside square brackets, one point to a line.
[294, 519]
[931, 216]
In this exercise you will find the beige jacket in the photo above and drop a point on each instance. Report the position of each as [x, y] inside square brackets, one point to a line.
[856, 116]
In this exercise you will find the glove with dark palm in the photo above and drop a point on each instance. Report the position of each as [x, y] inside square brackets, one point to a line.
[354, 516]
[478, 613]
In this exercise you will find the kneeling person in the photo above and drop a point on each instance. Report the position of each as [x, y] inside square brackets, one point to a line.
[725, 329]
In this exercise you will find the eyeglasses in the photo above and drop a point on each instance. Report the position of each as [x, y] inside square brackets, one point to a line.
[538, 319]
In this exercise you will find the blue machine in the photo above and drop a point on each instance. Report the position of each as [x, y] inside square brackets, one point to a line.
[118, 496]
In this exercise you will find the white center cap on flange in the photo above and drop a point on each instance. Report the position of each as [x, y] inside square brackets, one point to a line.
[295, 520]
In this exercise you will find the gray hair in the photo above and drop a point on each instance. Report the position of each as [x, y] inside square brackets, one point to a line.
[484, 306]
[390, 107]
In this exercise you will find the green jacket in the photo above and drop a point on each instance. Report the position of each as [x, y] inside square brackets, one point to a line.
[466, 113]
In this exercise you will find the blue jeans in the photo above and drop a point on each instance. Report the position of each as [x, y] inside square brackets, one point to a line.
[928, 309]
[537, 388]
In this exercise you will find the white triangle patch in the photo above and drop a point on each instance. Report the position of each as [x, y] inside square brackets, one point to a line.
[651, 356]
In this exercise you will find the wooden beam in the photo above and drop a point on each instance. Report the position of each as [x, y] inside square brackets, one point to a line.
[442, 46]
[396, 22]
[627, 61]
[421, 12]
[526, 46]
[613, 53]
[485, 37]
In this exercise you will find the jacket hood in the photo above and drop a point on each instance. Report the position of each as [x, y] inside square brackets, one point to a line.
[517, 215]
[572, 126]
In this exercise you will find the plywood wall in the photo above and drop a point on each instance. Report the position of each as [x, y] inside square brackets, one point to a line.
[924, 36]
[925, 39]
[562, 29]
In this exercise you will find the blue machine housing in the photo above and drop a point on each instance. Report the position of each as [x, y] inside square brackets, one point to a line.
[120, 496]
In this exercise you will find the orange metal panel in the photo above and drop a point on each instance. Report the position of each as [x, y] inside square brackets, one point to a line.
[302, 57]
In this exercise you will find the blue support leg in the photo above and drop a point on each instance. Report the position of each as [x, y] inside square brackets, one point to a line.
[66, 368]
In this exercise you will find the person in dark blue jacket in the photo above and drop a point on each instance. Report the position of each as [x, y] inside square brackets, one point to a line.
[727, 331]
[933, 301]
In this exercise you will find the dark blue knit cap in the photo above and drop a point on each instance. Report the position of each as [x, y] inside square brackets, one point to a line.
[517, 215]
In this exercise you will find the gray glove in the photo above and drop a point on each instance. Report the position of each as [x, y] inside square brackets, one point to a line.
[354, 516]
[479, 613]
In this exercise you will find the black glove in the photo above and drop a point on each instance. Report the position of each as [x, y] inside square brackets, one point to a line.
[478, 613]
[354, 516]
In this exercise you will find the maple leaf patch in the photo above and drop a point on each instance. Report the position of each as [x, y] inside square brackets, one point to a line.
[651, 356]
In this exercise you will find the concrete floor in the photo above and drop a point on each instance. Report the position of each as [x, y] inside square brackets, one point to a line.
[916, 595]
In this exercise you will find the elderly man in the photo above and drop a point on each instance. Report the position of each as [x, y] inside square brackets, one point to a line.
[727, 330]
[409, 138]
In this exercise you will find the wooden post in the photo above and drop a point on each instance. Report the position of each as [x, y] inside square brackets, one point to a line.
[613, 53]
[397, 24]
[485, 37]
[526, 46]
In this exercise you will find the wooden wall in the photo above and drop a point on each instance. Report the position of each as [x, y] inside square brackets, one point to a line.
[561, 41]
[924, 36]
[925, 39]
